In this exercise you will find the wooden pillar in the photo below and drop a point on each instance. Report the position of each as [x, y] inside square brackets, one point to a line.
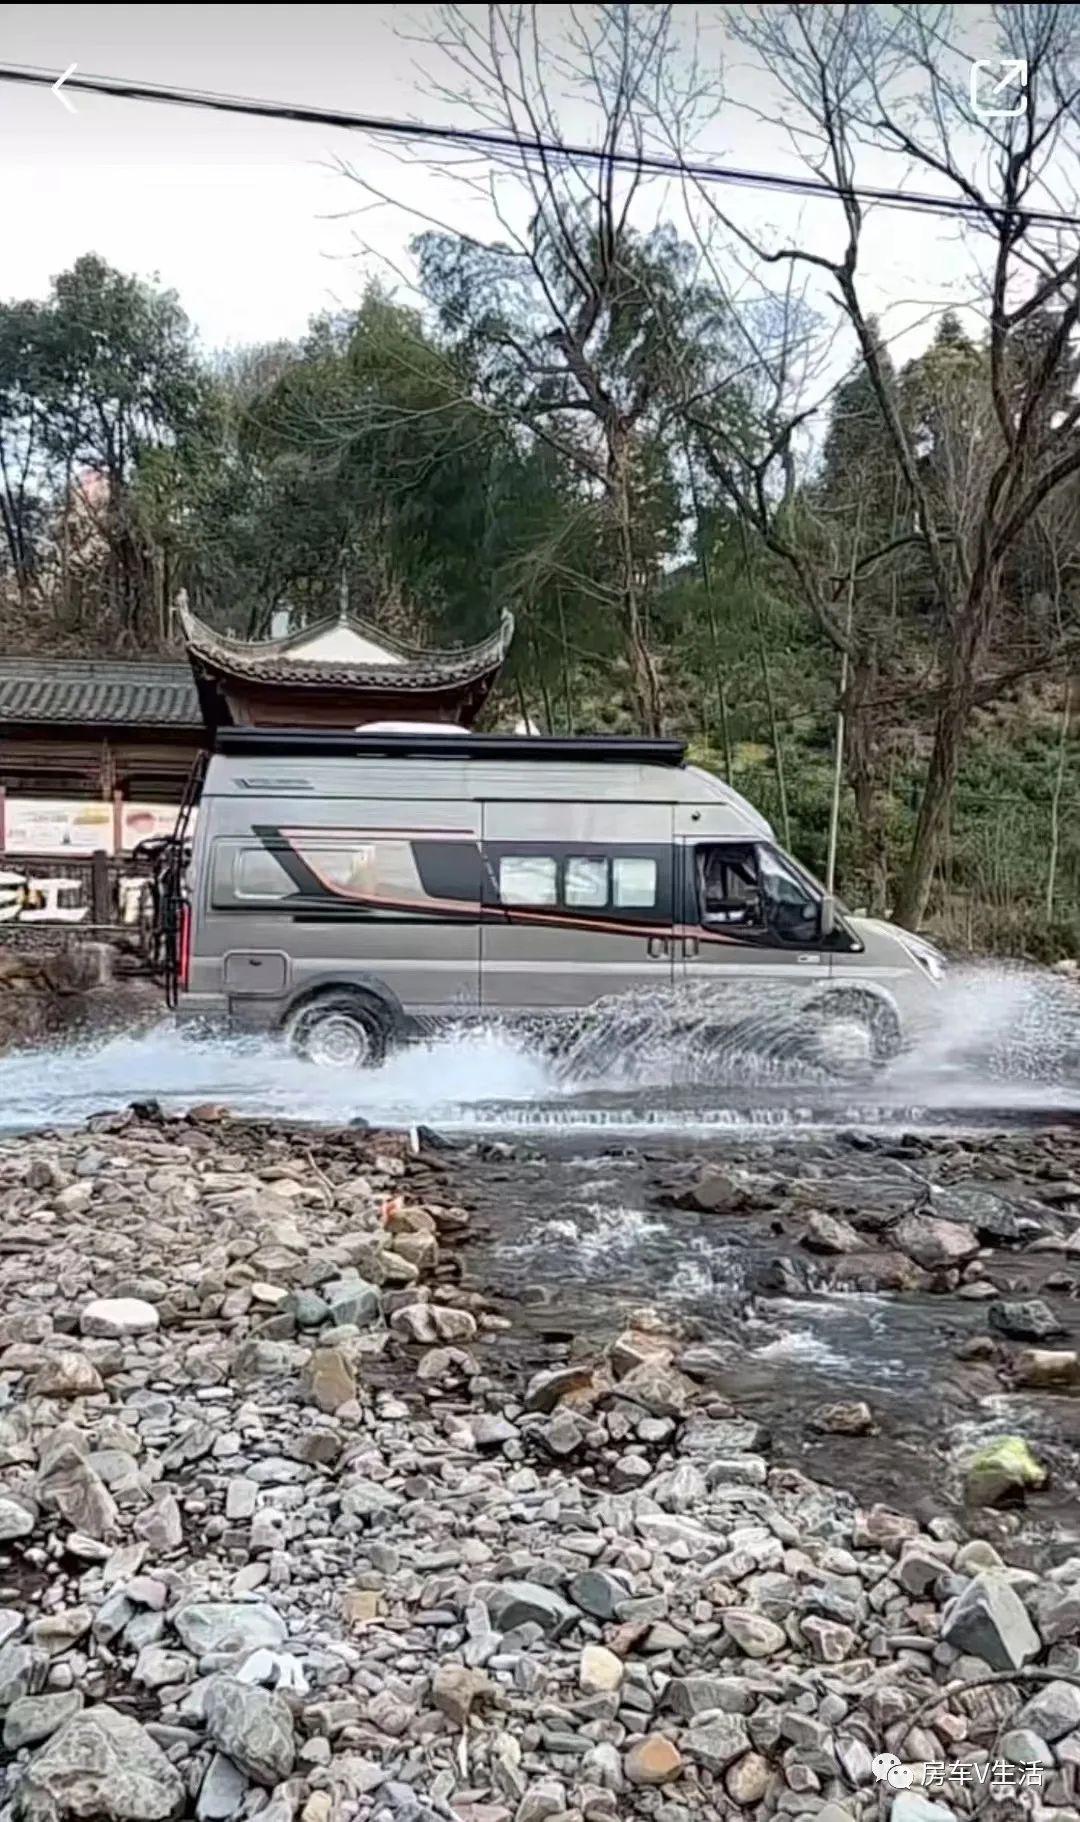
[100, 894]
[118, 821]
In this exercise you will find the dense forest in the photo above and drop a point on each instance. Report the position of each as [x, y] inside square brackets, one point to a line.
[587, 419]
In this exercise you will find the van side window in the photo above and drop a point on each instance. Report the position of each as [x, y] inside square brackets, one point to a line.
[528, 879]
[257, 873]
[633, 881]
[586, 881]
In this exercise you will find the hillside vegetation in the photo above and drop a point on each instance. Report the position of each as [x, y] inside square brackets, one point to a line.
[586, 420]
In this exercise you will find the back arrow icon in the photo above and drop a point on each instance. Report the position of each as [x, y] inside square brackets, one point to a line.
[58, 85]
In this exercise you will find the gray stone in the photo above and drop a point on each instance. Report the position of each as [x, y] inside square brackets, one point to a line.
[989, 1620]
[37, 1717]
[597, 1592]
[455, 1688]
[934, 1243]
[1024, 1319]
[912, 1806]
[118, 1317]
[160, 1524]
[689, 1696]
[252, 1726]
[716, 1744]
[1052, 1711]
[517, 1603]
[23, 1671]
[352, 1302]
[828, 1234]
[207, 1626]
[101, 1764]
[1022, 1746]
[222, 1791]
[67, 1374]
[16, 1519]
[753, 1633]
[69, 1485]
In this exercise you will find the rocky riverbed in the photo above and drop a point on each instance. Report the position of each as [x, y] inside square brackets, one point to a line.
[338, 1480]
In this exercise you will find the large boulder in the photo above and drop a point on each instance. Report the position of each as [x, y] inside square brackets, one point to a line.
[253, 1726]
[989, 1620]
[101, 1764]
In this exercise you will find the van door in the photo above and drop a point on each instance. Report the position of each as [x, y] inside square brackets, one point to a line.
[367, 893]
[749, 921]
[578, 903]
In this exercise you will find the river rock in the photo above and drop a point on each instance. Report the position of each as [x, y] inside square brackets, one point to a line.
[252, 1726]
[1001, 1472]
[829, 1234]
[654, 1760]
[23, 1671]
[36, 1717]
[222, 1791]
[67, 1374]
[69, 1485]
[16, 1519]
[101, 1764]
[715, 1744]
[118, 1317]
[454, 1689]
[1027, 1319]
[747, 1781]
[327, 1380]
[989, 1620]
[757, 1636]
[1052, 1711]
[1046, 1369]
[659, 1387]
[599, 1670]
[521, 1603]
[933, 1242]
[212, 1626]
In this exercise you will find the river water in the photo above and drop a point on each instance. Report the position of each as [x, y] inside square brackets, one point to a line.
[575, 1232]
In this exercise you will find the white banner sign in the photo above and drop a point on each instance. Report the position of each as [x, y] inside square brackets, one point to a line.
[45, 825]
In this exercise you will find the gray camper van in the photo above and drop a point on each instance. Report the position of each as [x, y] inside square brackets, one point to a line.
[355, 890]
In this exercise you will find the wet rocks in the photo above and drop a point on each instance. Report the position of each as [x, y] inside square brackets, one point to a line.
[1046, 1369]
[347, 1565]
[1025, 1319]
[1001, 1472]
[934, 1243]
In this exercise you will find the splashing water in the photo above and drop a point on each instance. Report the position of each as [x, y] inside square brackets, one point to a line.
[1002, 1037]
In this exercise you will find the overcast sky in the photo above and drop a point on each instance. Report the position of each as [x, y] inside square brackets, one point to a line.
[238, 215]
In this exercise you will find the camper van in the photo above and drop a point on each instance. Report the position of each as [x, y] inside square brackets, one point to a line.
[353, 891]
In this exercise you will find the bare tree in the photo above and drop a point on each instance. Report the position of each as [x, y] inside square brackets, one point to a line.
[854, 78]
[570, 312]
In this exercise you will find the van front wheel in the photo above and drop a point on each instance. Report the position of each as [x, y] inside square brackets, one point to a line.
[339, 1031]
[851, 1035]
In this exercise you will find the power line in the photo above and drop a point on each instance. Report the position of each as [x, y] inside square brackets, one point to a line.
[488, 139]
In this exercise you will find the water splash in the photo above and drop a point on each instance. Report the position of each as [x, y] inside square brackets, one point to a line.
[1001, 1037]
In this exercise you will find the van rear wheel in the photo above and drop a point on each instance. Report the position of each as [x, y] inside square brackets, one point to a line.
[339, 1031]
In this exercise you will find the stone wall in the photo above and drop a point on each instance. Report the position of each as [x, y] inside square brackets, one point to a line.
[66, 988]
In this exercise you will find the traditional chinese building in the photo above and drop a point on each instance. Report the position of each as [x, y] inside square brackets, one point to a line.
[339, 673]
[94, 754]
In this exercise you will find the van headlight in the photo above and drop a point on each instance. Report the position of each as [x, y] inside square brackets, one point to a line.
[928, 958]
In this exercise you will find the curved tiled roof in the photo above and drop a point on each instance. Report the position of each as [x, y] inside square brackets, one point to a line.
[98, 693]
[276, 660]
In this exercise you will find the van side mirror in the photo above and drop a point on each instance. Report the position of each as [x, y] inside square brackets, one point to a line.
[827, 916]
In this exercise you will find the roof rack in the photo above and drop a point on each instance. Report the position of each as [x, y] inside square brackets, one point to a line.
[600, 749]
